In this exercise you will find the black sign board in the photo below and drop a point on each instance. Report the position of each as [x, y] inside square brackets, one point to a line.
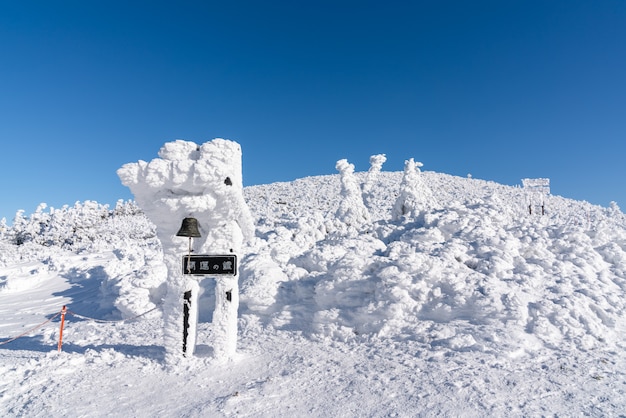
[210, 265]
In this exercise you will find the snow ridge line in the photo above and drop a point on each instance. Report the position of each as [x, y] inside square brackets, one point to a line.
[30, 330]
[113, 321]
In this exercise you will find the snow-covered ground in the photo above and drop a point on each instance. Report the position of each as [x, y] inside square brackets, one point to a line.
[468, 307]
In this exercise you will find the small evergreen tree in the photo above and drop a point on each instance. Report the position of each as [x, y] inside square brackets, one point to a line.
[3, 228]
[20, 231]
[614, 209]
[414, 196]
[376, 164]
[352, 211]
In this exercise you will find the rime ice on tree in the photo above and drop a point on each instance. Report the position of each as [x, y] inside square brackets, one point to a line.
[202, 182]
[414, 195]
[352, 211]
[376, 164]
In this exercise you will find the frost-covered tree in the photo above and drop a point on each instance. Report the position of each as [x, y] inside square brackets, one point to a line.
[376, 164]
[126, 208]
[414, 196]
[21, 232]
[614, 209]
[352, 211]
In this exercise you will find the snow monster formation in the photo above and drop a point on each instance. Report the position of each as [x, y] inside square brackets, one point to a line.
[202, 182]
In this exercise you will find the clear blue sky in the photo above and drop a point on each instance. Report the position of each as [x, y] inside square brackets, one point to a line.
[500, 89]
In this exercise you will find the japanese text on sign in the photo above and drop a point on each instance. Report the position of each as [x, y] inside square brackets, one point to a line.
[209, 265]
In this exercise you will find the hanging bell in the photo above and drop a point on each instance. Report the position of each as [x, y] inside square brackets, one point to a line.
[189, 228]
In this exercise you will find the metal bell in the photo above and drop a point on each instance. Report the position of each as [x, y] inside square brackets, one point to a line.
[189, 228]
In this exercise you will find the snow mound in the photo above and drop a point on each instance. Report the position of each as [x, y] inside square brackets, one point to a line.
[443, 276]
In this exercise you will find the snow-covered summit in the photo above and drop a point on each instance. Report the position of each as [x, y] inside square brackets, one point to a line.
[469, 306]
[478, 260]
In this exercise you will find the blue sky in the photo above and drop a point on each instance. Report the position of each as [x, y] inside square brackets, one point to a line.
[500, 89]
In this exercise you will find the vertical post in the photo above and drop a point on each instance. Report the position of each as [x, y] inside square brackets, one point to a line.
[186, 308]
[189, 258]
[63, 311]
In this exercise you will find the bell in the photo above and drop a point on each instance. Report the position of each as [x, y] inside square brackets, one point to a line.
[189, 228]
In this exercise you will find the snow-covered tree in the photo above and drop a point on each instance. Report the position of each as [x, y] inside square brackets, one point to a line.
[376, 163]
[414, 196]
[352, 211]
[614, 209]
[21, 231]
[126, 208]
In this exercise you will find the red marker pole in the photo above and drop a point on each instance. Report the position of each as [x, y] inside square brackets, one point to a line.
[63, 311]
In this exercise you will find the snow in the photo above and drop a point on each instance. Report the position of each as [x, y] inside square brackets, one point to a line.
[467, 307]
[201, 183]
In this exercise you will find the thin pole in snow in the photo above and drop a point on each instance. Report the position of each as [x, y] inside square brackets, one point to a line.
[63, 312]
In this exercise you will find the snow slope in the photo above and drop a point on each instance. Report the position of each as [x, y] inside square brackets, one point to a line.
[471, 308]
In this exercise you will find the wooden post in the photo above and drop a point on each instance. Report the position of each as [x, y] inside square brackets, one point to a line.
[63, 312]
[186, 309]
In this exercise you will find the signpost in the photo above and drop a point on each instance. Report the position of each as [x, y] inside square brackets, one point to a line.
[204, 265]
[210, 265]
[536, 192]
[201, 185]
